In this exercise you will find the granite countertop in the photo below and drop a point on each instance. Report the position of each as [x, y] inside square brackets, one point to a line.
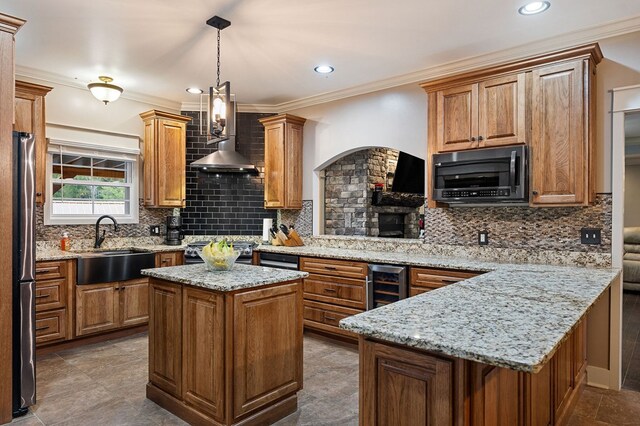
[45, 254]
[240, 277]
[513, 315]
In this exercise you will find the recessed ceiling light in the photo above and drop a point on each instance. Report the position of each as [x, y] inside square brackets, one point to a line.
[194, 90]
[324, 69]
[534, 7]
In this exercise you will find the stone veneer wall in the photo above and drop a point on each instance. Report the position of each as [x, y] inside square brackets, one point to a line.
[147, 218]
[550, 228]
[228, 203]
[349, 185]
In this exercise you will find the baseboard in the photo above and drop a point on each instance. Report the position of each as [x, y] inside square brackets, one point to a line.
[598, 377]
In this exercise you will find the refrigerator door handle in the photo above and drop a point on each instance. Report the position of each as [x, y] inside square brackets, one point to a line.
[27, 344]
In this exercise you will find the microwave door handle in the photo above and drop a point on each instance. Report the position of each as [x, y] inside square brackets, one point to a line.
[512, 171]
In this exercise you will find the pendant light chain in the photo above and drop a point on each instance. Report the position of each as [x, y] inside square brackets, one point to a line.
[218, 77]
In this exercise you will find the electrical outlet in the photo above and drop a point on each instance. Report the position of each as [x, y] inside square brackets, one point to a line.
[483, 238]
[590, 236]
[154, 230]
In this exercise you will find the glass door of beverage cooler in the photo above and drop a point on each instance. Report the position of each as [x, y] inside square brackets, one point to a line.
[386, 284]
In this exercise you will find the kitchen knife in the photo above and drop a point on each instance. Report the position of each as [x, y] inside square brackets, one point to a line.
[284, 229]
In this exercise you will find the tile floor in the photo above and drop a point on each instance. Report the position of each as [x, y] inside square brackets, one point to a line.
[105, 384]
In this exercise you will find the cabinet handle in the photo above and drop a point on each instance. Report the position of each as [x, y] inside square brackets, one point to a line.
[40, 296]
[473, 138]
[38, 194]
[42, 328]
[480, 138]
[331, 268]
[447, 282]
[330, 290]
[43, 270]
[330, 318]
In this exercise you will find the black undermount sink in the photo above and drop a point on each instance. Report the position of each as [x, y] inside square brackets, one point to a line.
[113, 265]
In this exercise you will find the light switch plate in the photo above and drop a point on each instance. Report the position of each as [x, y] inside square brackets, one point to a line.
[591, 236]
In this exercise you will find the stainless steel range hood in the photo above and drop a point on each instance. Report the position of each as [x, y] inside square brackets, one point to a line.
[225, 160]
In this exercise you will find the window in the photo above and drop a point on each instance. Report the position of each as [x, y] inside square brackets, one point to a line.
[84, 185]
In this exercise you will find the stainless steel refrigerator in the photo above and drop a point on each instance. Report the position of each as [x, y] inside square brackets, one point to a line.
[24, 266]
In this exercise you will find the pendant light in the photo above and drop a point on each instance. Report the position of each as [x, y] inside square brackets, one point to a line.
[105, 91]
[221, 109]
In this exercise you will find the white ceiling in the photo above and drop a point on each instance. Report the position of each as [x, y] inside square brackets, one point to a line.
[161, 47]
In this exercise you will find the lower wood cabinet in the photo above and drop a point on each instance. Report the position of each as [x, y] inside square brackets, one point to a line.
[51, 326]
[54, 301]
[105, 307]
[169, 258]
[224, 357]
[422, 280]
[401, 385]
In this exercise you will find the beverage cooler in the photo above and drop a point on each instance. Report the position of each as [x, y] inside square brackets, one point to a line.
[386, 284]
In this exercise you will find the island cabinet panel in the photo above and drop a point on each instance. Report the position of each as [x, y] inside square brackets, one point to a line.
[404, 387]
[203, 373]
[165, 337]
[267, 365]
[538, 396]
[494, 396]
[97, 308]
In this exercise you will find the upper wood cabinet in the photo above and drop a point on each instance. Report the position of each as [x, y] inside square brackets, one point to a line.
[546, 102]
[165, 144]
[283, 161]
[30, 118]
[480, 115]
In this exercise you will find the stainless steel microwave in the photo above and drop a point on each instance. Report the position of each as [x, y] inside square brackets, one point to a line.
[487, 176]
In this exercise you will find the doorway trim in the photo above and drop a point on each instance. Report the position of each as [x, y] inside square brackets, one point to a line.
[624, 100]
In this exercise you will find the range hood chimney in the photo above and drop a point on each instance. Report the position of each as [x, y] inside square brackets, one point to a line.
[226, 159]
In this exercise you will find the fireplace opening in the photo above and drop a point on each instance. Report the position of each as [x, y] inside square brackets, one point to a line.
[391, 225]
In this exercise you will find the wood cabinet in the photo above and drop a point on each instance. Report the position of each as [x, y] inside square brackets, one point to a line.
[225, 357]
[422, 280]
[481, 115]
[546, 102]
[402, 385]
[30, 118]
[110, 306]
[283, 161]
[164, 159]
[560, 142]
[55, 281]
[334, 289]
[169, 258]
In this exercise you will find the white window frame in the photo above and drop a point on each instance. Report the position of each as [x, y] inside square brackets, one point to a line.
[77, 149]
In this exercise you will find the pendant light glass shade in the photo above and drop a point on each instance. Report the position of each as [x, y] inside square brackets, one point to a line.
[105, 91]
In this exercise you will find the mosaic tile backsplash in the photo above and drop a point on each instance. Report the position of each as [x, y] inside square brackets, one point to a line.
[551, 228]
[302, 219]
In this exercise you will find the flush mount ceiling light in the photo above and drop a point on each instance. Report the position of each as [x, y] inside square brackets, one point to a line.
[194, 91]
[105, 91]
[534, 7]
[324, 69]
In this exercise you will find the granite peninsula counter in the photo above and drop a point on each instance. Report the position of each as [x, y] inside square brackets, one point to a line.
[225, 347]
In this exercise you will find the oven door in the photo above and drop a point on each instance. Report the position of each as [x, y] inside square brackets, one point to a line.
[481, 176]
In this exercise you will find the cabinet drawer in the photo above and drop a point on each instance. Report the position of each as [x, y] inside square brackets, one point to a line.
[51, 270]
[51, 326]
[51, 294]
[340, 291]
[340, 268]
[324, 317]
[436, 278]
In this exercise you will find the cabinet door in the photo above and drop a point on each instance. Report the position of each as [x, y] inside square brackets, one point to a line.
[457, 123]
[150, 163]
[165, 336]
[501, 111]
[538, 394]
[563, 377]
[134, 302]
[266, 369]
[293, 169]
[173, 258]
[203, 352]
[97, 308]
[274, 166]
[580, 351]
[29, 117]
[51, 326]
[558, 139]
[403, 387]
[495, 395]
[171, 164]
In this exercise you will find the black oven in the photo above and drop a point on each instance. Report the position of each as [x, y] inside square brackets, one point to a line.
[491, 175]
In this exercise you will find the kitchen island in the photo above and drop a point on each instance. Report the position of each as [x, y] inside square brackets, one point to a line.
[225, 348]
[504, 348]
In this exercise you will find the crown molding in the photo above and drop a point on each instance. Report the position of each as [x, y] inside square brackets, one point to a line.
[26, 73]
[576, 38]
[10, 24]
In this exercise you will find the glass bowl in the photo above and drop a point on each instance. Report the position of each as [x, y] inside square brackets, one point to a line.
[219, 263]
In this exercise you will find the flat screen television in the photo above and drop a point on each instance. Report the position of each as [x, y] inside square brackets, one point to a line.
[409, 175]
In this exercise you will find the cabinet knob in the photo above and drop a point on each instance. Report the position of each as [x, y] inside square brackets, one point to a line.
[38, 194]
[473, 138]
[480, 138]
[534, 192]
